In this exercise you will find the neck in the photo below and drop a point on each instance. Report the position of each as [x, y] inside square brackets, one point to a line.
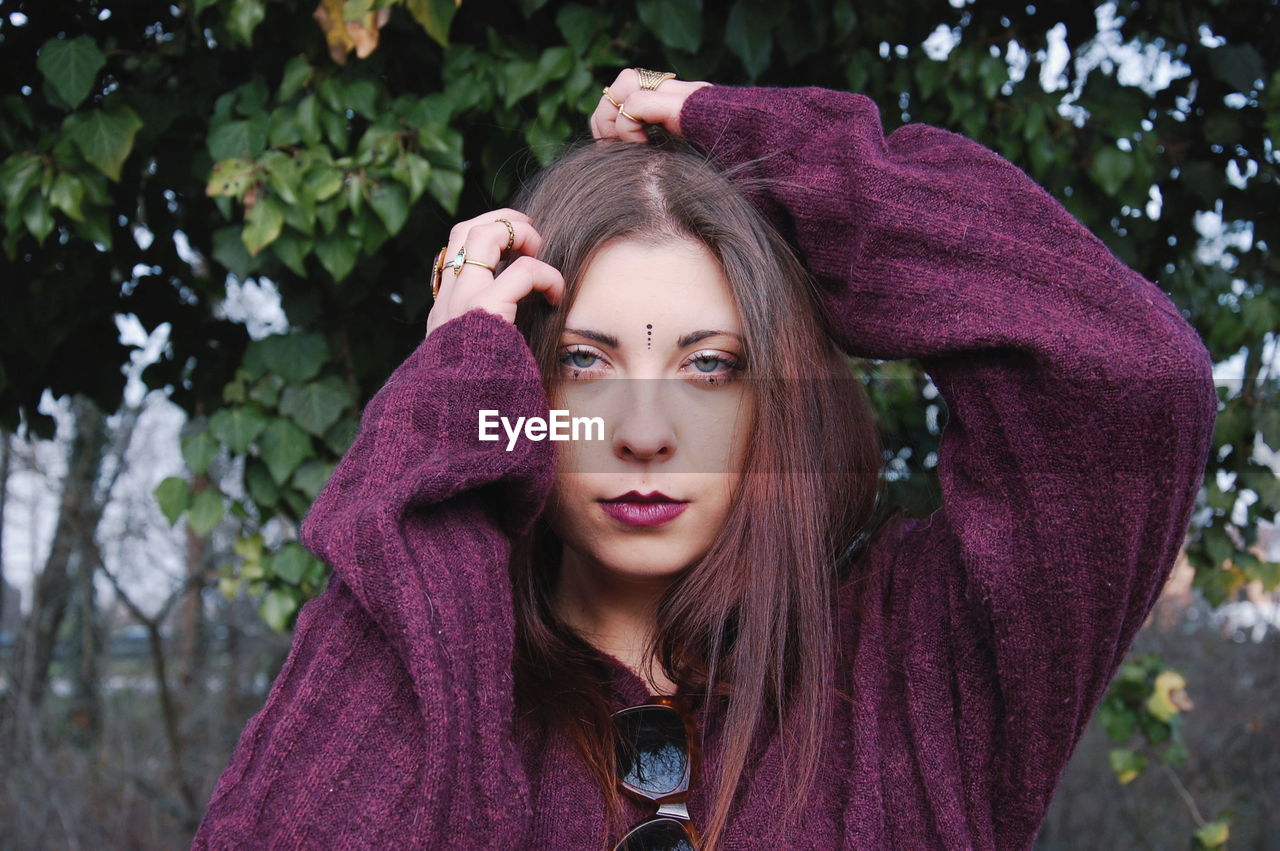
[615, 614]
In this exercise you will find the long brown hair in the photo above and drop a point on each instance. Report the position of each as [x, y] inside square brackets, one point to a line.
[752, 621]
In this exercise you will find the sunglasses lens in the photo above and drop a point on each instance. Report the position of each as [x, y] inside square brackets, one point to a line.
[656, 835]
[653, 754]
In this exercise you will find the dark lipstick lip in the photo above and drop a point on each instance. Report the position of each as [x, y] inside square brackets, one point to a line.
[636, 496]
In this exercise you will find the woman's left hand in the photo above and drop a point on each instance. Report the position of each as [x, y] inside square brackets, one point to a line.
[652, 106]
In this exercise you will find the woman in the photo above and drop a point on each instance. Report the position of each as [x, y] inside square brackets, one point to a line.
[841, 683]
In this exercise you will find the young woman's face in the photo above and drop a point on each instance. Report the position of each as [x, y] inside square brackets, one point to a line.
[653, 346]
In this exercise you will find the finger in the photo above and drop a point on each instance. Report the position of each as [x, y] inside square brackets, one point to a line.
[603, 119]
[627, 81]
[458, 236]
[629, 127]
[485, 244]
[524, 276]
[653, 107]
[491, 216]
[490, 240]
[595, 128]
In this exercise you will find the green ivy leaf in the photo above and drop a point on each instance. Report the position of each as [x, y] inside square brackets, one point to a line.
[446, 188]
[1126, 764]
[1117, 719]
[297, 73]
[263, 225]
[308, 118]
[580, 25]
[292, 249]
[206, 510]
[37, 216]
[237, 139]
[18, 176]
[67, 194]
[317, 405]
[748, 33]
[277, 607]
[337, 256]
[391, 202]
[1110, 169]
[361, 96]
[71, 66]
[261, 486]
[173, 494]
[229, 250]
[1214, 834]
[104, 136]
[676, 23]
[198, 450]
[325, 181]
[293, 357]
[284, 446]
[243, 19]
[237, 427]
[231, 178]
[283, 175]
[414, 172]
[312, 476]
[291, 562]
[434, 16]
[341, 435]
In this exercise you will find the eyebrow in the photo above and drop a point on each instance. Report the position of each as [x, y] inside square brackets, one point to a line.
[687, 340]
[694, 336]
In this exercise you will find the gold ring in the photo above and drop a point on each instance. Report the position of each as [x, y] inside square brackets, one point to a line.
[437, 272]
[653, 79]
[622, 111]
[460, 259]
[511, 234]
[610, 97]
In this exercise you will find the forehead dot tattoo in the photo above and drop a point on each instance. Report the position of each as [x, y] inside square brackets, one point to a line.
[649, 331]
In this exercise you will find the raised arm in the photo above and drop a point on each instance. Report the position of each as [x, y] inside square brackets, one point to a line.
[396, 695]
[1080, 405]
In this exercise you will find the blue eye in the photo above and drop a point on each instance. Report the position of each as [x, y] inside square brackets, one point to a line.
[579, 359]
[708, 362]
[715, 368]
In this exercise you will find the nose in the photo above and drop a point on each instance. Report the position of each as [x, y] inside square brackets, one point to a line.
[645, 430]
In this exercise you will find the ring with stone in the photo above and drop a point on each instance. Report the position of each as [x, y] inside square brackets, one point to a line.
[460, 259]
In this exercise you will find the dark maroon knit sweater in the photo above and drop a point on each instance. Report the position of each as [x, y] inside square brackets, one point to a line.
[974, 646]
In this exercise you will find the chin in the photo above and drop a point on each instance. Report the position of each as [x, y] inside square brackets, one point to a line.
[638, 559]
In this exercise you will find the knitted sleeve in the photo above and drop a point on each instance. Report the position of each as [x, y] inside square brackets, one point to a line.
[1080, 406]
[392, 716]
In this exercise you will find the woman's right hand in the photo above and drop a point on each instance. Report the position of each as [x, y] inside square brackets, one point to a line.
[485, 238]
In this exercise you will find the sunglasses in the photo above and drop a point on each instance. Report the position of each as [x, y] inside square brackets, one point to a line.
[657, 756]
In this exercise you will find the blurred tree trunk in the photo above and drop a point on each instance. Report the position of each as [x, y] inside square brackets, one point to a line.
[85, 645]
[192, 626]
[79, 509]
